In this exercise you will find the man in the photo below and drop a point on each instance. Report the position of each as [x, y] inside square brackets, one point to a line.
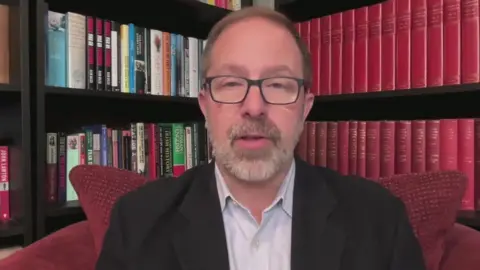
[256, 207]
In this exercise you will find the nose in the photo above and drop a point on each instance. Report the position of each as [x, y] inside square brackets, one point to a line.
[254, 105]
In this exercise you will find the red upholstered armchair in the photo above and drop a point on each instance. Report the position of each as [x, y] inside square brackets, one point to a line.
[431, 200]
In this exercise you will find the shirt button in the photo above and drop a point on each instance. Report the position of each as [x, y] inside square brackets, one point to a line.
[256, 244]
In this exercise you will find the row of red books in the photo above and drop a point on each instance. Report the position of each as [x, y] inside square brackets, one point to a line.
[374, 149]
[394, 45]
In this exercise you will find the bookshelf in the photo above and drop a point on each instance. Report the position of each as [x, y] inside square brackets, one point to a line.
[15, 128]
[29, 109]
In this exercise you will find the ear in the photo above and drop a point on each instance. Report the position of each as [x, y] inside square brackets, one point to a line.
[202, 101]
[309, 100]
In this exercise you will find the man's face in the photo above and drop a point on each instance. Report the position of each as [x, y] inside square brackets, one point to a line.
[254, 139]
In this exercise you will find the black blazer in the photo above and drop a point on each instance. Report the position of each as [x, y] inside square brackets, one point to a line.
[339, 223]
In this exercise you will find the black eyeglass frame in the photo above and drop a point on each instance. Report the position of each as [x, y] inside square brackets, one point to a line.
[207, 85]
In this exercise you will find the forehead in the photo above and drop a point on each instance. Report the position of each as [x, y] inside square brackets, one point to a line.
[255, 44]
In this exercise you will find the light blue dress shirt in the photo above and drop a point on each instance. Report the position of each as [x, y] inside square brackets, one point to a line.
[253, 246]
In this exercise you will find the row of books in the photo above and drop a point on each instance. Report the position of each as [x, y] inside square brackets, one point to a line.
[375, 149]
[5, 44]
[90, 53]
[151, 149]
[395, 45]
[227, 4]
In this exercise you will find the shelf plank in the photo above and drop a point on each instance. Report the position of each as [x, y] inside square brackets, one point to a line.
[69, 208]
[10, 229]
[304, 10]
[422, 103]
[187, 17]
[9, 88]
[86, 107]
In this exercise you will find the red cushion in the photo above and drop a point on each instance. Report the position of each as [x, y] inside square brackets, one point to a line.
[432, 200]
[98, 189]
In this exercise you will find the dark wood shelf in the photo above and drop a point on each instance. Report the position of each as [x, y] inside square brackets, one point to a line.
[469, 218]
[453, 101]
[187, 17]
[10, 228]
[9, 88]
[85, 107]
[303, 10]
[69, 93]
[69, 208]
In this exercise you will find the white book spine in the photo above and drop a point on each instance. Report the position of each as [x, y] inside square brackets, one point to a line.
[114, 50]
[188, 148]
[156, 62]
[76, 67]
[140, 148]
[193, 66]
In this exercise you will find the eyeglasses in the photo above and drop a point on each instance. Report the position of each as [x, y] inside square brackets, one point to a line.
[275, 90]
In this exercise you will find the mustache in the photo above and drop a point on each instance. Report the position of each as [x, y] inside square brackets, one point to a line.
[255, 126]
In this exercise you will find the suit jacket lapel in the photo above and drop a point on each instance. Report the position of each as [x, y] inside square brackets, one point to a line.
[317, 236]
[200, 240]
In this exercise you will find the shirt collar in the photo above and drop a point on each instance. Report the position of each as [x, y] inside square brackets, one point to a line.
[284, 197]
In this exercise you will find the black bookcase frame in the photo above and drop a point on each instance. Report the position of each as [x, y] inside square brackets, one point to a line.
[34, 98]
[17, 130]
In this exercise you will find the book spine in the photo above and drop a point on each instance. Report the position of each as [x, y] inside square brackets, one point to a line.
[434, 43]
[315, 54]
[451, 51]
[348, 53]
[388, 44]
[107, 45]
[419, 164]
[361, 50]
[116, 56]
[374, 48]
[343, 146]
[403, 147]
[326, 55]
[403, 55]
[387, 148]
[99, 63]
[336, 53]
[332, 145]
[470, 41]
[139, 64]
[466, 160]
[321, 144]
[372, 150]
[419, 43]
[5, 213]
[352, 147]
[52, 163]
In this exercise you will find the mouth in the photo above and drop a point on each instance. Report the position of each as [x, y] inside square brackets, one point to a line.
[252, 137]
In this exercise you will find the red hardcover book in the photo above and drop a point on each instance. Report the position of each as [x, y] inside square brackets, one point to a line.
[403, 147]
[448, 144]
[403, 53]
[466, 159]
[361, 50]
[343, 150]
[419, 146]
[301, 148]
[315, 54]
[332, 145]
[325, 55]
[388, 44]
[432, 148]
[451, 51]
[153, 150]
[374, 48]
[470, 42]
[311, 143]
[336, 54]
[107, 54]
[387, 148]
[305, 33]
[91, 70]
[419, 43]
[372, 150]
[352, 147]
[434, 42]
[361, 148]
[99, 63]
[476, 187]
[4, 184]
[321, 144]
[348, 54]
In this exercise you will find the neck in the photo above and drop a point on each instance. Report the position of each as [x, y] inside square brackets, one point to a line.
[256, 196]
